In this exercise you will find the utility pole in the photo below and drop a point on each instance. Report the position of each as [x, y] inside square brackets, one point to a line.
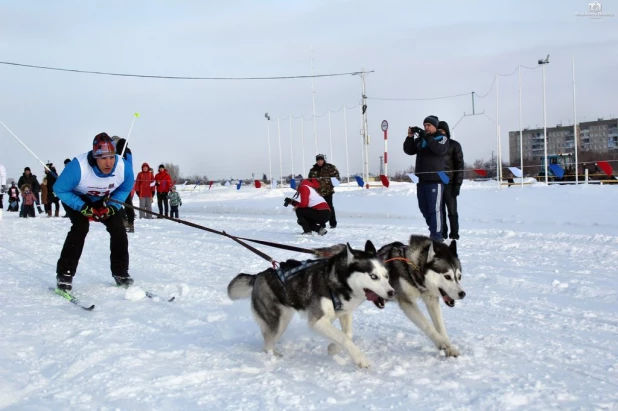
[365, 128]
[544, 63]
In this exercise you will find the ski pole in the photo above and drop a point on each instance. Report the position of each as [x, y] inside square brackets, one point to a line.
[135, 116]
[26, 147]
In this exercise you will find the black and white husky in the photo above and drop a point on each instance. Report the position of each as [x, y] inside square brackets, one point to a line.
[323, 290]
[430, 271]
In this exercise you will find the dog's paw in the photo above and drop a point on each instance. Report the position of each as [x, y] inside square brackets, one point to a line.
[449, 351]
[273, 353]
[362, 362]
[334, 349]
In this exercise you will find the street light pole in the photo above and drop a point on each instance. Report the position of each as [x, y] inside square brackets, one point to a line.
[270, 164]
[544, 63]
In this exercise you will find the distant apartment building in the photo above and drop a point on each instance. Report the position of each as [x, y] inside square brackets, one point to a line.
[600, 135]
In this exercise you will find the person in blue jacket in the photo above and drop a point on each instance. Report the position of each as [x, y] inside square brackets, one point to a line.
[429, 146]
[86, 186]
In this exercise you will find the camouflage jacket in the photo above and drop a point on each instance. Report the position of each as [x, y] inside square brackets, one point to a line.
[323, 174]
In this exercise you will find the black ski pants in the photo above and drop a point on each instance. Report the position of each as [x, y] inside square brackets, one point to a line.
[332, 220]
[310, 219]
[450, 204]
[74, 244]
[163, 203]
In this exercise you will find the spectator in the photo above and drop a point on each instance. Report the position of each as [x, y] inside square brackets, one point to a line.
[2, 184]
[312, 211]
[31, 180]
[127, 212]
[163, 181]
[145, 189]
[429, 148]
[13, 194]
[51, 175]
[175, 202]
[323, 172]
[454, 163]
[29, 200]
[46, 206]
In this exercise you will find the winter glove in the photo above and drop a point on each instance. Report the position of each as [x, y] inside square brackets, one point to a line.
[86, 210]
[456, 189]
[181, 203]
[39, 209]
[103, 213]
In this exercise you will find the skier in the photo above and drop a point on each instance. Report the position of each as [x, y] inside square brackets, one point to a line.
[84, 185]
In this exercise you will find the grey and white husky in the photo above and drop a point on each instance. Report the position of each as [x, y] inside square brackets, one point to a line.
[322, 290]
[430, 271]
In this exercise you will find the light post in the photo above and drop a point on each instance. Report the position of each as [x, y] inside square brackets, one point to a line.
[270, 164]
[544, 63]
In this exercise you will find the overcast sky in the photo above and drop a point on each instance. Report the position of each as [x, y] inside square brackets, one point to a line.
[218, 129]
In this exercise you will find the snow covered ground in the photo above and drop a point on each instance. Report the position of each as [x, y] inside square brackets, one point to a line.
[537, 330]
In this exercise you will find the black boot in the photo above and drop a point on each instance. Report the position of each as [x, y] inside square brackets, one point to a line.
[64, 282]
[124, 280]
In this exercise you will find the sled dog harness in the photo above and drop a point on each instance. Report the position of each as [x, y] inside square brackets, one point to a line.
[286, 275]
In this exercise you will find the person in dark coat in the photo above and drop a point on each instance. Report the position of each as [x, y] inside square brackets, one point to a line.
[31, 180]
[323, 171]
[52, 175]
[429, 147]
[454, 162]
[127, 212]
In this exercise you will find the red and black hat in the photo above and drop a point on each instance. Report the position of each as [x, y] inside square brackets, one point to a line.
[103, 146]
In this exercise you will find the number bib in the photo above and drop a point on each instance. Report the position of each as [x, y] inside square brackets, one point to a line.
[94, 185]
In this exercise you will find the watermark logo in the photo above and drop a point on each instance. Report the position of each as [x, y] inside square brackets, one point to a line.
[595, 11]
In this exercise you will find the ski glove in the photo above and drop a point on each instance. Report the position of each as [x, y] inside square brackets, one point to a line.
[103, 213]
[86, 211]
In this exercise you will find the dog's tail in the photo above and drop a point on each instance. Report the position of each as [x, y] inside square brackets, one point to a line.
[241, 286]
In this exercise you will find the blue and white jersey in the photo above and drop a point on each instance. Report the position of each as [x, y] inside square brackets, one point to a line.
[80, 179]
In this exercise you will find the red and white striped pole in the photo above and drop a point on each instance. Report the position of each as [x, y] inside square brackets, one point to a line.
[385, 129]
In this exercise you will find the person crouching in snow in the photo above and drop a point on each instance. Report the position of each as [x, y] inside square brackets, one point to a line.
[29, 199]
[175, 202]
[312, 211]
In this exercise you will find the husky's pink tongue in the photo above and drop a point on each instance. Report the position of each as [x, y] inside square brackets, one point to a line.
[373, 297]
[448, 300]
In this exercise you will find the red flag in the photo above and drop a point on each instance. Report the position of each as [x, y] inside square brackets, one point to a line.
[605, 167]
[257, 183]
[481, 172]
[210, 185]
[384, 180]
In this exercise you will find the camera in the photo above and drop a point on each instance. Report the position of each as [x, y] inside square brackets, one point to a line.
[287, 201]
[416, 130]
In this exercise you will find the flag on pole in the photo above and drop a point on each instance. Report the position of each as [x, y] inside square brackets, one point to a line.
[413, 177]
[516, 172]
[359, 181]
[293, 184]
[384, 180]
[334, 181]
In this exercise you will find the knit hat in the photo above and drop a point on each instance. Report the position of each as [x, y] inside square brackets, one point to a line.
[433, 120]
[443, 125]
[161, 166]
[26, 169]
[103, 146]
[67, 161]
[320, 157]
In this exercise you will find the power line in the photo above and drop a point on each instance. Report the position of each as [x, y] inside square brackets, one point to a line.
[418, 99]
[353, 73]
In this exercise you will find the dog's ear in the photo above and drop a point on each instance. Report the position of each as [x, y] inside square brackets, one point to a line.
[370, 248]
[453, 247]
[431, 253]
[350, 253]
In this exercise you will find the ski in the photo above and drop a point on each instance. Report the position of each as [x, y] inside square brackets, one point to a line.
[152, 296]
[71, 298]
[149, 294]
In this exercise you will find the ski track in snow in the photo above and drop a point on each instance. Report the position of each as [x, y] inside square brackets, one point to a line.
[537, 330]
